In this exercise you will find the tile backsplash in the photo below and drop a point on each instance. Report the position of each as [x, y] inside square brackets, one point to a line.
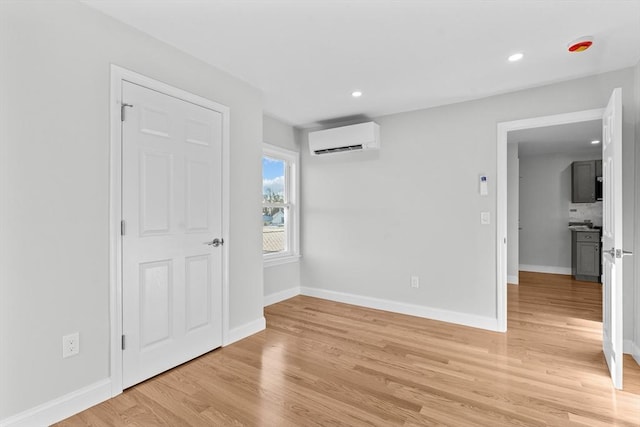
[579, 212]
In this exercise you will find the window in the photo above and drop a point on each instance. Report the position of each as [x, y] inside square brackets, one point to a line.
[279, 205]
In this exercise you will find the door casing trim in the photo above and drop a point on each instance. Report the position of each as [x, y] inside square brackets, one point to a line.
[501, 193]
[118, 75]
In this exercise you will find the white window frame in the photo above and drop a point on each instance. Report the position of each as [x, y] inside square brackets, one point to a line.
[292, 196]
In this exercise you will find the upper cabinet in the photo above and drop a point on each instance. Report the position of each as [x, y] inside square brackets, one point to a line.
[585, 186]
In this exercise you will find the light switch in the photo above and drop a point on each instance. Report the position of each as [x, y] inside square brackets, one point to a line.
[485, 218]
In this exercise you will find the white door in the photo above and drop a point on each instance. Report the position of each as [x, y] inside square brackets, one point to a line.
[171, 207]
[612, 236]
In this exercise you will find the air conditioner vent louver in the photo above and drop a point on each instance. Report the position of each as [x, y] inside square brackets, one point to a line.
[339, 149]
[360, 137]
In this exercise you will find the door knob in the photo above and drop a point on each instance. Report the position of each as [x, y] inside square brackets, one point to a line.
[618, 253]
[215, 242]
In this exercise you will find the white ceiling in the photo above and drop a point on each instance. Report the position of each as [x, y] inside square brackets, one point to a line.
[307, 56]
[568, 138]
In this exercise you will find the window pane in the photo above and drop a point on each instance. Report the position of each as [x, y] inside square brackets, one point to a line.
[273, 180]
[273, 230]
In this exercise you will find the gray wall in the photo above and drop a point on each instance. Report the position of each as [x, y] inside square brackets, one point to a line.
[54, 189]
[513, 215]
[373, 219]
[278, 278]
[545, 199]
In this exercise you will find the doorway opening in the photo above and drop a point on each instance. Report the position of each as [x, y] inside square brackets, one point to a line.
[503, 131]
[553, 206]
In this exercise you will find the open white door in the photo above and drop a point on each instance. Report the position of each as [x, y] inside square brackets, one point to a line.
[172, 208]
[612, 237]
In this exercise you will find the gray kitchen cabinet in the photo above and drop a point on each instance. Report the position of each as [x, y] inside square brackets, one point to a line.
[583, 182]
[585, 255]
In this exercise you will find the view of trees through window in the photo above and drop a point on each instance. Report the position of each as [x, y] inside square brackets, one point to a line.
[274, 205]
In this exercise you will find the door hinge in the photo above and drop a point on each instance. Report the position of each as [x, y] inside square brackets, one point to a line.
[122, 107]
[122, 227]
[123, 342]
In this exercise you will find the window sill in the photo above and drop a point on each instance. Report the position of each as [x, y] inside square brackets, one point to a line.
[279, 260]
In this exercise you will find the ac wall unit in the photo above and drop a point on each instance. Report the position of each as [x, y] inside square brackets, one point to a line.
[363, 136]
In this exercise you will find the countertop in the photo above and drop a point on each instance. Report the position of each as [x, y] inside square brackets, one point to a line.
[584, 228]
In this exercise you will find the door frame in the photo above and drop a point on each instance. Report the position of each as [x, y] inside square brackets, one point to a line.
[501, 192]
[118, 75]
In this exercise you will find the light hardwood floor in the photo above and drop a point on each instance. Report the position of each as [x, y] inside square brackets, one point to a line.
[325, 363]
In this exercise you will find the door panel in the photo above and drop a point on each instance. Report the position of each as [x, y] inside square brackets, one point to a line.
[197, 191]
[198, 276]
[156, 181]
[154, 121]
[172, 280]
[612, 237]
[156, 280]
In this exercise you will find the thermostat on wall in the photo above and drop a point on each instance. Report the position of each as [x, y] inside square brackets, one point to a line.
[484, 188]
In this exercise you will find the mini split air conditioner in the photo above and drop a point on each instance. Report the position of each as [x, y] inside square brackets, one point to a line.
[363, 136]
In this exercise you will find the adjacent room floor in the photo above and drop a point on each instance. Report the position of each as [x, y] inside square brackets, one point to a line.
[325, 363]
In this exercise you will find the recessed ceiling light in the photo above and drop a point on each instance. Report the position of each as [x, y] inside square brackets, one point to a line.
[595, 141]
[516, 57]
[356, 94]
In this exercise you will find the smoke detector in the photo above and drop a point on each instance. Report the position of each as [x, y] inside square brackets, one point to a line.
[581, 44]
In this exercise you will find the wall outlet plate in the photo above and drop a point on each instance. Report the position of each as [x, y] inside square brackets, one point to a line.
[485, 218]
[70, 344]
[415, 282]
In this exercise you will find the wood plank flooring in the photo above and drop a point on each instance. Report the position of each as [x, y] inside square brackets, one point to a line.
[321, 363]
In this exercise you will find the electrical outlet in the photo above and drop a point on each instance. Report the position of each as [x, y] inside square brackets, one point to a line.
[485, 218]
[415, 282]
[70, 344]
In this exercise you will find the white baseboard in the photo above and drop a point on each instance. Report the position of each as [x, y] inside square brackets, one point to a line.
[281, 296]
[248, 329]
[545, 269]
[629, 347]
[513, 280]
[63, 407]
[481, 322]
